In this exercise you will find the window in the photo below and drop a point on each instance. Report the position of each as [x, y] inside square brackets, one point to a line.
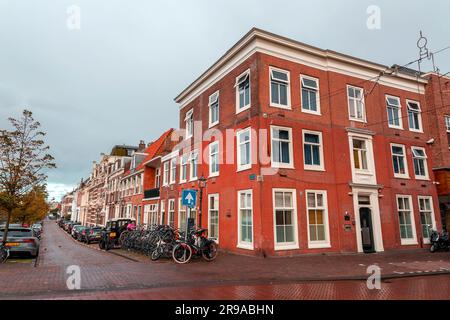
[214, 109]
[243, 92]
[414, 116]
[244, 160]
[181, 216]
[281, 147]
[214, 159]
[316, 204]
[394, 112]
[157, 177]
[173, 170]
[183, 168]
[285, 219]
[426, 217]
[279, 88]
[171, 220]
[420, 163]
[399, 161]
[310, 95]
[312, 150]
[153, 214]
[193, 159]
[189, 121]
[163, 212]
[245, 220]
[213, 216]
[146, 213]
[406, 220]
[356, 108]
[166, 174]
[360, 154]
[447, 126]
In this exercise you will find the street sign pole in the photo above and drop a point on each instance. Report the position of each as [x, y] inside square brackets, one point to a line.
[188, 213]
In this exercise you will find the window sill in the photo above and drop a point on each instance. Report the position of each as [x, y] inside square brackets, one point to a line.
[393, 127]
[213, 175]
[193, 179]
[245, 246]
[280, 106]
[357, 120]
[211, 125]
[401, 177]
[282, 165]
[243, 168]
[321, 169]
[420, 178]
[319, 245]
[280, 247]
[315, 113]
[243, 109]
[416, 131]
[408, 242]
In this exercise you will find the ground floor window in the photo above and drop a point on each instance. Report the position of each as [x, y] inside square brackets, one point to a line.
[245, 219]
[213, 216]
[181, 216]
[171, 217]
[153, 214]
[285, 218]
[163, 212]
[317, 215]
[426, 216]
[406, 220]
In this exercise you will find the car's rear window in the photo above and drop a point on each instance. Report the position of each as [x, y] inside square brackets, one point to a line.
[18, 233]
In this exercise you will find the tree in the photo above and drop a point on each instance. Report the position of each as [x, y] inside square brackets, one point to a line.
[23, 159]
[33, 208]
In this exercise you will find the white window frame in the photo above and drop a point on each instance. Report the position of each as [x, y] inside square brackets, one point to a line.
[317, 112]
[162, 211]
[244, 244]
[245, 74]
[433, 218]
[157, 177]
[313, 167]
[405, 161]
[447, 123]
[146, 214]
[412, 241]
[193, 156]
[211, 145]
[318, 243]
[181, 208]
[214, 99]
[275, 164]
[166, 173]
[400, 121]
[288, 89]
[189, 123]
[173, 170]
[285, 245]
[419, 115]
[217, 198]
[425, 163]
[183, 168]
[153, 210]
[238, 149]
[364, 118]
[171, 212]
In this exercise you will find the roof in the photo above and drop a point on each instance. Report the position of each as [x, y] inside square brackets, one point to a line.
[151, 151]
[259, 34]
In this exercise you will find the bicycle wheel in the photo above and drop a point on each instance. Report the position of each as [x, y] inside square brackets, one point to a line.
[156, 254]
[182, 253]
[210, 252]
[3, 255]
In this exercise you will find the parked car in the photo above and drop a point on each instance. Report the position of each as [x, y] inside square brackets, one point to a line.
[76, 229]
[71, 225]
[90, 235]
[112, 231]
[21, 240]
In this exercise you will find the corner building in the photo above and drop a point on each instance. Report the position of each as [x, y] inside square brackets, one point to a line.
[327, 152]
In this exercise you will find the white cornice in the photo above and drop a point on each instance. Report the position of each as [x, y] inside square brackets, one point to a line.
[261, 41]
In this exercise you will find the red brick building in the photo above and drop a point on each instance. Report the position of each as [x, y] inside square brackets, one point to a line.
[438, 100]
[303, 150]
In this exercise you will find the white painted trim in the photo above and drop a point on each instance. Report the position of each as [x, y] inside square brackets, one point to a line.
[241, 244]
[238, 153]
[171, 155]
[246, 107]
[288, 89]
[413, 241]
[274, 164]
[218, 215]
[320, 167]
[400, 120]
[213, 174]
[425, 160]
[433, 217]
[364, 120]
[212, 124]
[289, 245]
[318, 112]
[405, 162]
[327, 242]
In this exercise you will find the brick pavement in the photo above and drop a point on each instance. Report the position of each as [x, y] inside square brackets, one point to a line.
[102, 271]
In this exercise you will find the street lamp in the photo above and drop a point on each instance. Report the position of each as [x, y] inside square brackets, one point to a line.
[201, 184]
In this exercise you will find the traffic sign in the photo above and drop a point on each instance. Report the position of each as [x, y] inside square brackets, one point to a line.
[189, 198]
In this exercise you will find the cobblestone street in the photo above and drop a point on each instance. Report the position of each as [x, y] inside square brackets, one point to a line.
[107, 275]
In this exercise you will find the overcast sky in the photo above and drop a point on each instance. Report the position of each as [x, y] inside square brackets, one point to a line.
[113, 80]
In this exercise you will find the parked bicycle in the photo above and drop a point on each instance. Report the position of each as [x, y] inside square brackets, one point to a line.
[167, 239]
[196, 244]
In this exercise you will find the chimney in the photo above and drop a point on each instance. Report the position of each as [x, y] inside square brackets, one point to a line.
[141, 145]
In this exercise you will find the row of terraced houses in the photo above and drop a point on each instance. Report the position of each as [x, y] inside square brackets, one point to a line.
[296, 150]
